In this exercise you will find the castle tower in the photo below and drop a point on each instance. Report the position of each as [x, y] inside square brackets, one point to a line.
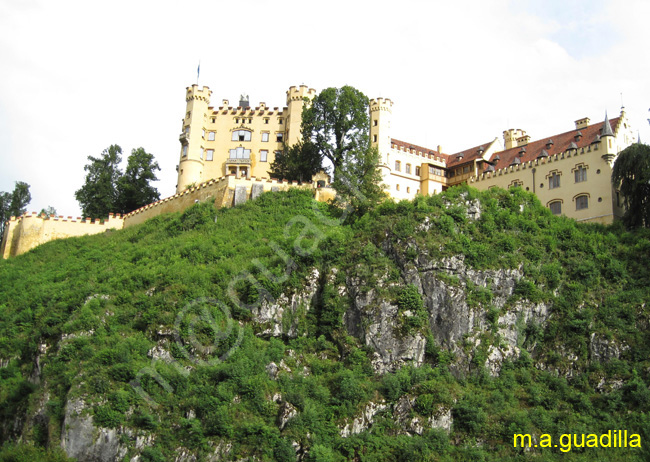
[192, 138]
[381, 112]
[295, 103]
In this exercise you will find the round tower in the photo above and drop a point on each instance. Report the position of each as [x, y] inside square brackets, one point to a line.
[192, 138]
[296, 99]
[381, 111]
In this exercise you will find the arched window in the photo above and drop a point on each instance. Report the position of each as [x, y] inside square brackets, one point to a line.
[556, 207]
[582, 202]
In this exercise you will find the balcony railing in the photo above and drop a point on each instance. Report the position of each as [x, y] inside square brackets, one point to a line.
[238, 161]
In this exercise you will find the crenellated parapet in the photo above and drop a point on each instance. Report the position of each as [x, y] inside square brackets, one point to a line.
[193, 93]
[300, 93]
[30, 230]
[381, 104]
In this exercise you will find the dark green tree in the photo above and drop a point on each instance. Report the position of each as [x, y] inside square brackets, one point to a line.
[133, 188]
[338, 125]
[14, 204]
[296, 163]
[631, 175]
[108, 190]
[98, 196]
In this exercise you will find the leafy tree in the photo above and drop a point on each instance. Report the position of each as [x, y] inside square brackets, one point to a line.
[98, 196]
[133, 187]
[108, 190]
[338, 125]
[297, 163]
[49, 211]
[14, 204]
[631, 174]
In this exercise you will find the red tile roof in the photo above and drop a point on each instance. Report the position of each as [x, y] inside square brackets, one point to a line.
[469, 155]
[560, 144]
[426, 152]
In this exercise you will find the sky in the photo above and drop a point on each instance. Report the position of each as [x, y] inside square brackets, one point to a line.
[77, 76]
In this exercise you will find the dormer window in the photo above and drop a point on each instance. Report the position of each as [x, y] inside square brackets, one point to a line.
[241, 135]
[549, 143]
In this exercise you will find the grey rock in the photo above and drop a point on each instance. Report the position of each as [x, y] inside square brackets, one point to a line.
[240, 195]
[257, 190]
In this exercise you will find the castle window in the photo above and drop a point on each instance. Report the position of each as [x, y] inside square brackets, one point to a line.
[237, 120]
[374, 122]
[240, 153]
[374, 138]
[279, 137]
[201, 154]
[203, 134]
[241, 135]
[581, 174]
[516, 183]
[264, 155]
[266, 120]
[408, 190]
[211, 136]
[398, 166]
[250, 121]
[187, 116]
[554, 181]
[185, 150]
[582, 202]
[280, 120]
[209, 154]
[556, 207]
[408, 168]
[397, 187]
[417, 171]
[214, 119]
[265, 136]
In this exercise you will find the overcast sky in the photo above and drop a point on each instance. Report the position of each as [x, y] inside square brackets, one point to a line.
[77, 76]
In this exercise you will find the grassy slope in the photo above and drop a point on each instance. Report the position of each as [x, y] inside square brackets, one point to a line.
[595, 278]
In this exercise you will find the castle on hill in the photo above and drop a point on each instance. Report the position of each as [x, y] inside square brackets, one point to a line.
[570, 172]
[226, 152]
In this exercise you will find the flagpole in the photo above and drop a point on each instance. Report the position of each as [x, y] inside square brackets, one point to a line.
[198, 71]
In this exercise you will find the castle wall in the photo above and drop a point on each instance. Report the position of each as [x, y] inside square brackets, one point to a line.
[534, 176]
[24, 233]
[223, 190]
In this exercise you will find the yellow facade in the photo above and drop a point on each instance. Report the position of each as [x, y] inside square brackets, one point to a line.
[238, 140]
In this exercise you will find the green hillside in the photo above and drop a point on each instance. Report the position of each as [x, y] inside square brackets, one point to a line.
[264, 332]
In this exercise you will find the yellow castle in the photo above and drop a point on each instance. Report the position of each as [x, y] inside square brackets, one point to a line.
[226, 152]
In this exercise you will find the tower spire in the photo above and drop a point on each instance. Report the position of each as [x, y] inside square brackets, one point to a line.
[607, 128]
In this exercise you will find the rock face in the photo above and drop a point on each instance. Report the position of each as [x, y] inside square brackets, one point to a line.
[80, 439]
[282, 317]
[372, 320]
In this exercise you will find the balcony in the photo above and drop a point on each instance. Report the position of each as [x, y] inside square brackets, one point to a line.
[238, 161]
[184, 138]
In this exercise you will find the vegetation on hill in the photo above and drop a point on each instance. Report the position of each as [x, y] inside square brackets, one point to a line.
[80, 319]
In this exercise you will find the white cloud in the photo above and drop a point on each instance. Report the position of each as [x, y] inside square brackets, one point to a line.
[79, 76]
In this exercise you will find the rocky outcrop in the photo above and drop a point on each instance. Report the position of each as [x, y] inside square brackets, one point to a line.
[282, 316]
[82, 440]
[373, 321]
[364, 421]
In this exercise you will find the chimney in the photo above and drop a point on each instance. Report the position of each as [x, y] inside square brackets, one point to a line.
[582, 123]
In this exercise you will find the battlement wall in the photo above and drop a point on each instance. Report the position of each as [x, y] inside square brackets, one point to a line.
[30, 230]
[226, 191]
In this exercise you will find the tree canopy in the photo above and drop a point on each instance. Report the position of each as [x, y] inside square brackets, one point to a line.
[297, 163]
[108, 190]
[338, 125]
[14, 204]
[631, 174]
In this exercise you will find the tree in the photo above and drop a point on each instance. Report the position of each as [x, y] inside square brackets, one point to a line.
[98, 196]
[133, 188]
[338, 125]
[49, 211]
[631, 175]
[14, 204]
[296, 163]
[108, 190]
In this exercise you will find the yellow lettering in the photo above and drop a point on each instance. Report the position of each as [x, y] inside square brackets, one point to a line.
[608, 435]
[522, 439]
[582, 442]
[545, 440]
[592, 441]
[635, 441]
[565, 445]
